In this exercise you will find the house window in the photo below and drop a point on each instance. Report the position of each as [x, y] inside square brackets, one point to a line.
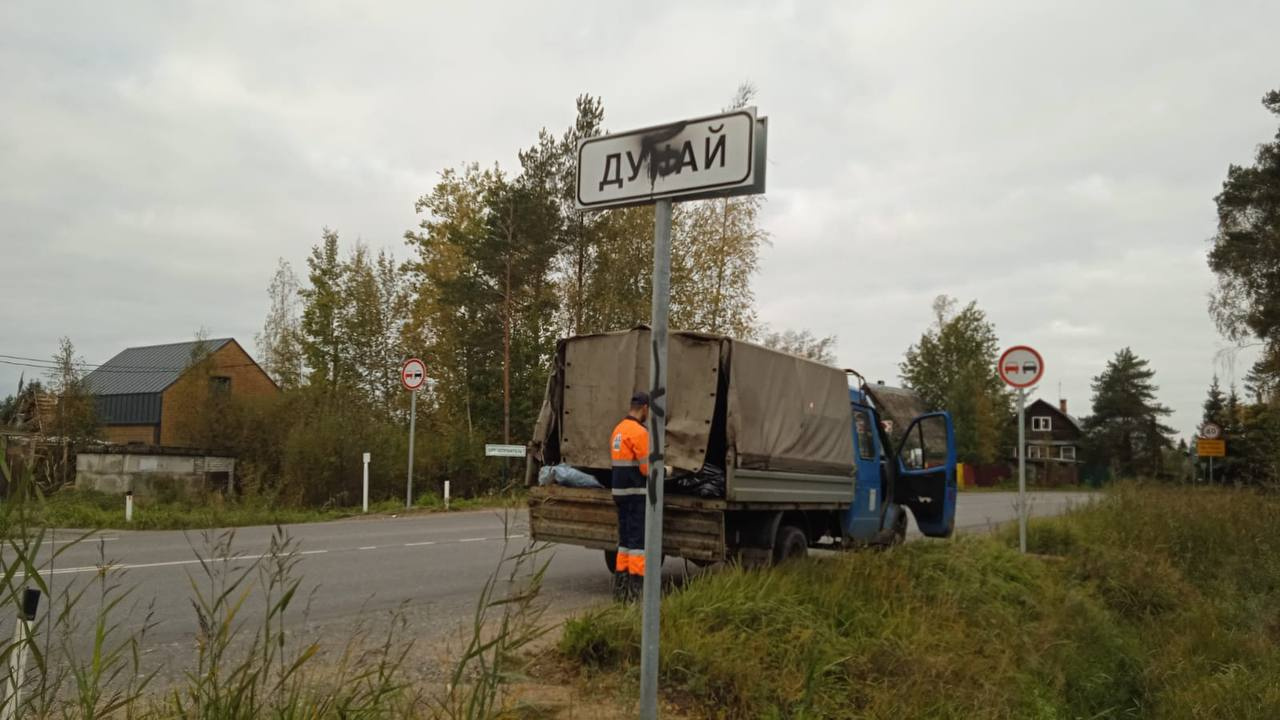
[1067, 452]
[220, 385]
[1041, 423]
[1035, 452]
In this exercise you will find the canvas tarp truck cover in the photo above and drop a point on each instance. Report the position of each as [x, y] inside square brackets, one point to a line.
[771, 410]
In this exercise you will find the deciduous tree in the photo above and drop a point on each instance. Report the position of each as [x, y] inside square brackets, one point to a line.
[280, 343]
[803, 343]
[953, 367]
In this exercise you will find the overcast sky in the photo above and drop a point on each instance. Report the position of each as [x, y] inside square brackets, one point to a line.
[1056, 163]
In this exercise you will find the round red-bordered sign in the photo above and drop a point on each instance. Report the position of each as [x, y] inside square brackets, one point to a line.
[1021, 366]
[413, 374]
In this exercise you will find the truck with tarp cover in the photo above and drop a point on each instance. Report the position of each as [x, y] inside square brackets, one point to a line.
[767, 454]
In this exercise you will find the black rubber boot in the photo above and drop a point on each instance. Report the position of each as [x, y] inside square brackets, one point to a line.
[635, 588]
[620, 586]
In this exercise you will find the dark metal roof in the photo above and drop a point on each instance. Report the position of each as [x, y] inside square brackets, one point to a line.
[135, 409]
[148, 369]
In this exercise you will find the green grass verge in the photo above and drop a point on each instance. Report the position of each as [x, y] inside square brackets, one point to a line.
[87, 509]
[1153, 602]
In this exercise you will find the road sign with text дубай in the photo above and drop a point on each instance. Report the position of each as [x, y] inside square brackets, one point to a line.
[710, 156]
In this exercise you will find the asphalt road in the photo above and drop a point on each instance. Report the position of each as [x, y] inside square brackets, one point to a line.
[356, 573]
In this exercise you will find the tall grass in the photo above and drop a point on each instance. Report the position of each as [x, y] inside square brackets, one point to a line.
[73, 508]
[1153, 602]
[86, 647]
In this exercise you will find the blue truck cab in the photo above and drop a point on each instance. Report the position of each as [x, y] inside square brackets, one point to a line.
[899, 469]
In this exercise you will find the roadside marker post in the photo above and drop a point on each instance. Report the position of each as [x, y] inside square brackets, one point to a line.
[446, 494]
[365, 494]
[709, 157]
[128, 506]
[1021, 367]
[413, 374]
[18, 660]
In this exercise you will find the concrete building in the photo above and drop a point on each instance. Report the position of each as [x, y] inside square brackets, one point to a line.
[152, 395]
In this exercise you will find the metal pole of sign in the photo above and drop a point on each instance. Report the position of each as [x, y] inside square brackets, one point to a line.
[1022, 470]
[413, 424]
[657, 441]
[1210, 469]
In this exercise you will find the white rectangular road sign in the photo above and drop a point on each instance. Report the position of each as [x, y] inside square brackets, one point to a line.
[709, 156]
[504, 450]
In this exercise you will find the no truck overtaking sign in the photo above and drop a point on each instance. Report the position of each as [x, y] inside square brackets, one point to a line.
[709, 156]
[413, 374]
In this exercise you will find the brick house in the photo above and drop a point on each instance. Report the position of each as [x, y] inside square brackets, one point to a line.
[150, 394]
[1054, 438]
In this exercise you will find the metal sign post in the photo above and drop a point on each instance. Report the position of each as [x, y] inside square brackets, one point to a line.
[652, 595]
[714, 156]
[413, 374]
[1021, 367]
[413, 423]
[1022, 470]
[1211, 444]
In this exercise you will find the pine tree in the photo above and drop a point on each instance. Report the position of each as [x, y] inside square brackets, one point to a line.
[1214, 404]
[1125, 429]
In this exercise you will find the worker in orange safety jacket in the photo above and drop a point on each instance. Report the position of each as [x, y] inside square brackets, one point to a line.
[629, 452]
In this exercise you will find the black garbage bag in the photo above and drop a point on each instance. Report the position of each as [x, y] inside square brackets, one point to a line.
[708, 482]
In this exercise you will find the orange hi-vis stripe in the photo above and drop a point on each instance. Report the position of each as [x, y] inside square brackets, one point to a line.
[637, 563]
[623, 562]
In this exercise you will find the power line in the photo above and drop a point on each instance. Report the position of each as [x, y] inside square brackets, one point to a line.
[120, 370]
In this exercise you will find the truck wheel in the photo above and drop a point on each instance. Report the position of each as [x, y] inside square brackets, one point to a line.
[790, 544]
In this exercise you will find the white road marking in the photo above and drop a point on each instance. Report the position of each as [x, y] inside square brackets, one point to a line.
[116, 567]
[87, 540]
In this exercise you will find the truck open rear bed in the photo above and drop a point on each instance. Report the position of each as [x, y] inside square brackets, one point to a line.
[693, 527]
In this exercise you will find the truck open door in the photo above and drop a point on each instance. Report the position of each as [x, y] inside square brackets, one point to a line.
[926, 480]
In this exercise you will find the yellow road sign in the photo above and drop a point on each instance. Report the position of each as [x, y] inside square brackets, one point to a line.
[1211, 448]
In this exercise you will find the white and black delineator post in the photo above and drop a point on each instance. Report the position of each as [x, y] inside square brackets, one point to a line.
[365, 489]
[18, 659]
[128, 506]
[657, 441]
[413, 425]
[1022, 470]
